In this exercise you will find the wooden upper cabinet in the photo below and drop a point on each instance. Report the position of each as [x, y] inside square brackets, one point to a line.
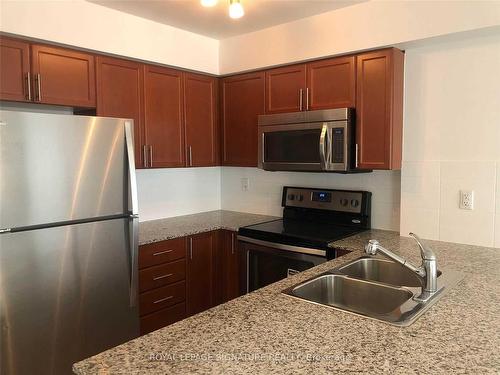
[379, 109]
[331, 83]
[63, 77]
[200, 278]
[243, 99]
[285, 89]
[14, 70]
[200, 113]
[164, 128]
[120, 94]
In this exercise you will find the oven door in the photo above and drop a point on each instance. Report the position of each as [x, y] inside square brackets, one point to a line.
[317, 146]
[266, 265]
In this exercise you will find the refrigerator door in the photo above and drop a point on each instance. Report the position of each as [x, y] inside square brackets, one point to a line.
[57, 168]
[65, 294]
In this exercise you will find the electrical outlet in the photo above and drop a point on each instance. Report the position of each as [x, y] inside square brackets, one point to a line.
[466, 200]
[245, 183]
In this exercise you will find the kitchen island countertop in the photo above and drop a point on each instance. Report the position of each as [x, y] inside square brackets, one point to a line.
[268, 332]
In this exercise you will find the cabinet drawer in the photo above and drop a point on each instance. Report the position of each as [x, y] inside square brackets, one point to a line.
[160, 298]
[162, 318]
[162, 252]
[163, 274]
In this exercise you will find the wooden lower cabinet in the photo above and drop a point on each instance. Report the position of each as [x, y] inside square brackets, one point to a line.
[229, 278]
[162, 318]
[185, 276]
[201, 276]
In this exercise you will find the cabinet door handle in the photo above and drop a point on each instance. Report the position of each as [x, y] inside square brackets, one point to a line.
[163, 299]
[145, 156]
[150, 156]
[300, 99]
[162, 276]
[28, 85]
[232, 243]
[162, 252]
[307, 99]
[39, 86]
[356, 156]
[190, 156]
[191, 248]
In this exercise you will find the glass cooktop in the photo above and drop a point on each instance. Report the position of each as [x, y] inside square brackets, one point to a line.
[298, 232]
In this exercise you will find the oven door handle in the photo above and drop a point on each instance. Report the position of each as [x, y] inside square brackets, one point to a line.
[322, 147]
[280, 246]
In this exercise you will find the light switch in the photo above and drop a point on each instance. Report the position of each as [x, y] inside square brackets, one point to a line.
[245, 183]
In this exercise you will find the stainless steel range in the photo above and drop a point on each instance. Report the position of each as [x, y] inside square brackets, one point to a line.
[312, 220]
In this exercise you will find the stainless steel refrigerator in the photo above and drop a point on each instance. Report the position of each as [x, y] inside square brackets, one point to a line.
[68, 239]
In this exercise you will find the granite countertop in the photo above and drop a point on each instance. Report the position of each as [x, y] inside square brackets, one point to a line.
[180, 226]
[268, 332]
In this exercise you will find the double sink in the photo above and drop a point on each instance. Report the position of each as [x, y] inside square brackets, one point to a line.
[375, 288]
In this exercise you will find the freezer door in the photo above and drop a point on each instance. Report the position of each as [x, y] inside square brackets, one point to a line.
[61, 167]
[65, 294]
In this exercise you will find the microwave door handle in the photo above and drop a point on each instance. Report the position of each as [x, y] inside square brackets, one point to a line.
[330, 146]
[322, 146]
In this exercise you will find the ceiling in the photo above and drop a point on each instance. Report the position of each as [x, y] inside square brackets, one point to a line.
[215, 22]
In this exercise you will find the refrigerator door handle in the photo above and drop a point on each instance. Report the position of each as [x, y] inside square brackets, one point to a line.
[134, 257]
[129, 140]
[134, 213]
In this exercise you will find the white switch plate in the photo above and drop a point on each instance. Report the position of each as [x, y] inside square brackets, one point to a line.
[245, 183]
[466, 200]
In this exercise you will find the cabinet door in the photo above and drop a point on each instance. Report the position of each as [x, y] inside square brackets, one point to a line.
[243, 99]
[230, 267]
[14, 70]
[120, 94]
[63, 76]
[331, 83]
[164, 129]
[201, 272]
[379, 109]
[285, 89]
[200, 111]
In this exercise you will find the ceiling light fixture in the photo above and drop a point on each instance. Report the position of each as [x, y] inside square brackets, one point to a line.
[235, 9]
[208, 3]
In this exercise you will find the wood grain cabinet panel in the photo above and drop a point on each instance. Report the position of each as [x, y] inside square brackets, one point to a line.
[285, 89]
[243, 99]
[164, 129]
[200, 112]
[160, 275]
[331, 83]
[63, 76]
[162, 318]
[161, 252]
[379, 109]
[230, 277]
[14, 70]
[201, 281]
[120, 94]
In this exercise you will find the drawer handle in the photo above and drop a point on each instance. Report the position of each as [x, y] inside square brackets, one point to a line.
[163, 299]
[162, 276]
[162, 252]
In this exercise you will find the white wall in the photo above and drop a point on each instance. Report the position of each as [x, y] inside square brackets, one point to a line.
[265, 188]
[177, 191]
[362, 26]
[452, 141]
[87, 25]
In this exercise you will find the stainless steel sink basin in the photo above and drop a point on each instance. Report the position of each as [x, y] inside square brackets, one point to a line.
[374, 288]
[354, 295]
[381, 270]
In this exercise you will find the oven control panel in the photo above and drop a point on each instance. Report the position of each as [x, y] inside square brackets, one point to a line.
[324, 199]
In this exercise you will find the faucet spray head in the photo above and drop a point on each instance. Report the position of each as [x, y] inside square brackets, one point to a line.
[371, 247]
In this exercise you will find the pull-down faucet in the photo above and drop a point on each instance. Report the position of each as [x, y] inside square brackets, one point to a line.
[427, 270]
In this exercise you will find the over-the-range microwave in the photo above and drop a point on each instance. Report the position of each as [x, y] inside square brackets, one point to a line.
[314, 141]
